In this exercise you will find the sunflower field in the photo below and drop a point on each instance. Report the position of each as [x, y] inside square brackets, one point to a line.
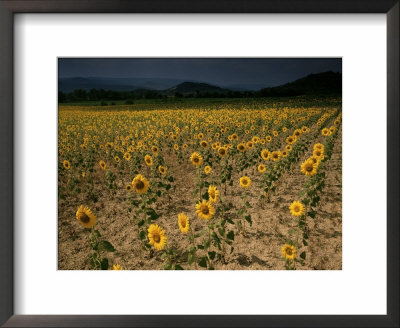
[248, 185]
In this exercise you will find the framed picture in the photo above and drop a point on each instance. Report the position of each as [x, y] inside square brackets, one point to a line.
[167, 163]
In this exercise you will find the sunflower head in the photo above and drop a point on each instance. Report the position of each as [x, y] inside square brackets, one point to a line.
[325, 132]
[289, 252]
[148, 160]
[183, 223]
[265, 154]
[268, 138]
[261, 168]
[222, 151]
[162, 170]
[127, 156]
[204, 144]
[205, 210]
[296, 208]
[67, 165]
[318, 153]
[117, 267]
[117, 159]
[288, 147]
[86, 217]
[245, 182]
[319, 146]
[157, 237]
[308, 167]
[154, 149]
[250, 144]
[128, 187]
[196, 159]
[276, 155]
[241, 147]
[213, 194]
[207, 169]
[140, 184]
[291, 140]
[102, 164]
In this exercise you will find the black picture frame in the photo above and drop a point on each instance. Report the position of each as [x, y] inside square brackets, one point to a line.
[10, 7]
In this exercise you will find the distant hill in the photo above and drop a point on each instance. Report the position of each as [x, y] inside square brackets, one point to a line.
[89, 89]
[193, 88]
[327, 83]
[115, 84]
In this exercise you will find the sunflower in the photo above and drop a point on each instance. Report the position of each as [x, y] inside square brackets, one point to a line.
[162, 170]
[289, 252]
[296, 208]
[261, 168]
[275, 133]
[284, 153]
[245, 182]
[325, 132]
[284, 129]
[207, 169]
[337, 122]
[304, 129]
[222, 151]
[319, 146]
[268, 138]
[308, 167]
[213, 194]
[148, 160]
[250, 145]
[176, 146]
[288, 147]
[154, 149]
[196, 159]
[140, 184]
[67, 165]
[265, 154]
[297, 133]
[316, 160]
[117, 267]
[157, 236]
[86, 217]
[276, 155]
[204, 144]
[205, 210]
[183, 223]
[318, 153]
[241, 147]
[332, 130]
[128, 187]
[127, 156]
[291, 140]
[116, 159]
[102, 164]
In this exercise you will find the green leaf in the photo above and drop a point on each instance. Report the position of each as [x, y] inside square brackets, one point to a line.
[211, 255]
[171, 179]
[248, 219]
[142, 235]
[158, 193]
[305, 242]
[231, 235]
[312, 214]
[104, 264]
[248, 205]
[200, 246]
[140, 223]
[168, 187]
[178, 267]
[303, 255]
[97, 233]
[106, 246]
[203, 262]
[230, 221]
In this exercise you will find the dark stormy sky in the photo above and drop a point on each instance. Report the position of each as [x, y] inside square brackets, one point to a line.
[220, 71]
